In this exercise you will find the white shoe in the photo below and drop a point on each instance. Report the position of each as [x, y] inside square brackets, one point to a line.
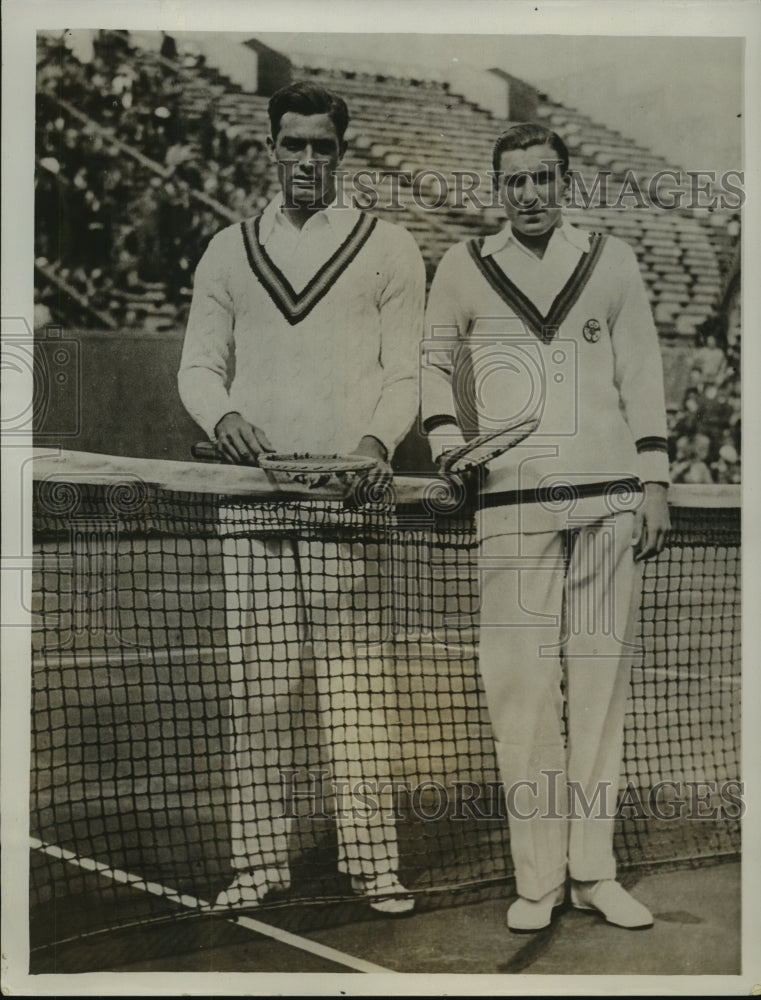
[526, 915]
[613, 902]
[249, 888]
[385, 892]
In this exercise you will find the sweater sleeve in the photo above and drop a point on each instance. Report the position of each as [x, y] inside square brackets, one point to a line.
[446, 325]
[400, 305]
[639, 369]
[208, 345]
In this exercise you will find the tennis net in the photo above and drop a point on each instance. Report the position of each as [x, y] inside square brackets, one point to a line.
[230, 673]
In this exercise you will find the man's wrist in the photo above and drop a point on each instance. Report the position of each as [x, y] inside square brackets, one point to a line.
[444, 441]
[370, 443]
[229, 413]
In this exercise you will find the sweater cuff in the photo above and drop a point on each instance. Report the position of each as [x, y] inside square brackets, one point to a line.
[439, 420]
[653, 460]
[443, 436]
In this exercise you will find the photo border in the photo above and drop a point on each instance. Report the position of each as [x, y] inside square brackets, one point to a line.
[563, 17]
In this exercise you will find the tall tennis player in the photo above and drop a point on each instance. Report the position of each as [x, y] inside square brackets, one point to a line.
[318, 309]
[550, 322]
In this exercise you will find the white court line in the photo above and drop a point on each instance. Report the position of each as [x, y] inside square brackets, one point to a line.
[156, 889]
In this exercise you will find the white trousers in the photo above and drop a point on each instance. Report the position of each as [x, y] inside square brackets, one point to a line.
[535, 620]
[306, 690]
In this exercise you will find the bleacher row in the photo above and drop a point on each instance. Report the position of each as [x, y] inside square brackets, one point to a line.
[141, 158]
[406, 125]
[424, 128]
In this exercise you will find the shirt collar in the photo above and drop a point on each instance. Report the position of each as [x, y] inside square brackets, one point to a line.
[340, 219]
[504, 238]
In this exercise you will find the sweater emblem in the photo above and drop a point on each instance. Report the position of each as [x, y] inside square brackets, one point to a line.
[591, 331]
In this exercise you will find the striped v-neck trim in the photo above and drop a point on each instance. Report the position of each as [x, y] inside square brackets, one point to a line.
[544, 327]
[295, 306]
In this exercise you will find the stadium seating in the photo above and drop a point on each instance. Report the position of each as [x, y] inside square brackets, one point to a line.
[160, 153]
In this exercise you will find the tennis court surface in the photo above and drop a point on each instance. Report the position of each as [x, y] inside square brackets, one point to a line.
[142, 573]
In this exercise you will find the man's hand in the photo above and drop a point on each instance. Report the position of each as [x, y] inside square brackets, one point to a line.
[442, 443]
[239, 441]
[371, 447]
[651, 522]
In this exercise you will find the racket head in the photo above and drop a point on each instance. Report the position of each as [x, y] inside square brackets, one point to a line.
[310, 464]
[484, 448]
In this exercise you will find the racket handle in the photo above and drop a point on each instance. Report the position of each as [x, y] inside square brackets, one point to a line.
[206, 451]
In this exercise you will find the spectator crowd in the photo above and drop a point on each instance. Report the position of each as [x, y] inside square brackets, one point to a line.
[118, 215]
[130, 188]
[705, 433]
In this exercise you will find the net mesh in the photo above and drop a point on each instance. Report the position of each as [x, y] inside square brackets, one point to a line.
[222, 683]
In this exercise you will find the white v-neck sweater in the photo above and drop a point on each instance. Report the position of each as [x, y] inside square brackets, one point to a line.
[586, 362]
[319, 365]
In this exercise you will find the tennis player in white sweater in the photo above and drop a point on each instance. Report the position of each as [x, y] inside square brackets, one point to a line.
[547, 320]
[303, 336]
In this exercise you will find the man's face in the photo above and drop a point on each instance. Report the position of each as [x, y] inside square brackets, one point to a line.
[307, 152]
[532, 188]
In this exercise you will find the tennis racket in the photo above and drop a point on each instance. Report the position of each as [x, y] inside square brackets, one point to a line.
[308, 464]
[306, 468]
[484, 448]
[315, 470]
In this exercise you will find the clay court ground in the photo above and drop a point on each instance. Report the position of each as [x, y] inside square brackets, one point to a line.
[696, 932]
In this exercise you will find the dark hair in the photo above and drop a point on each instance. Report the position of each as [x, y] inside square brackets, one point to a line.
[305, 98]
[529, 134]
